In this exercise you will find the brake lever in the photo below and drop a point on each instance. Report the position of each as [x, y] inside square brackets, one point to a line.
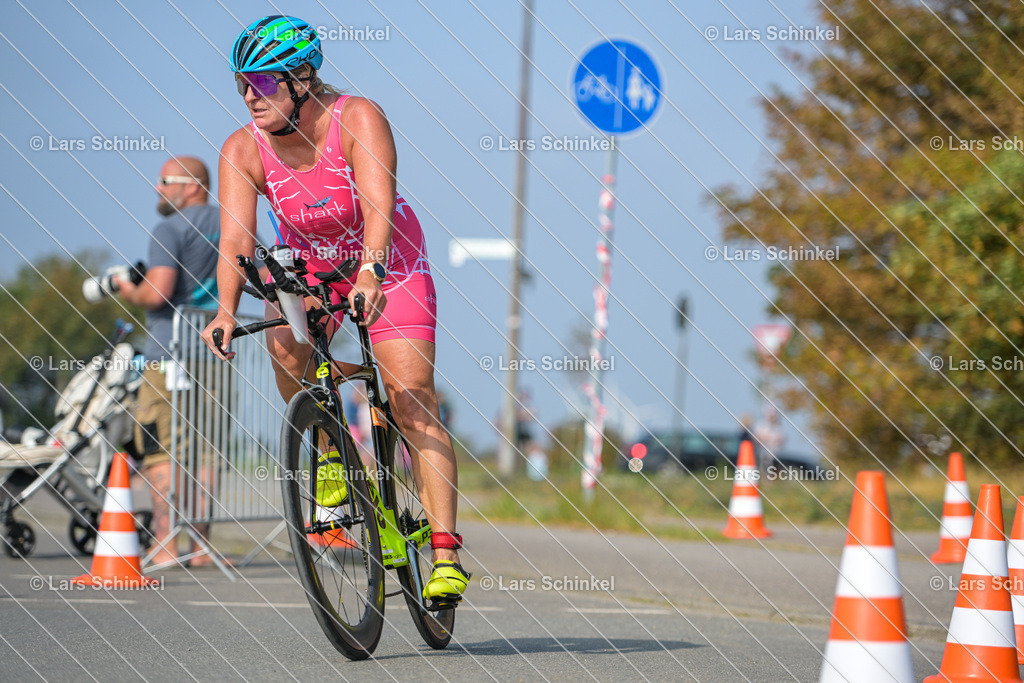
[360, 302]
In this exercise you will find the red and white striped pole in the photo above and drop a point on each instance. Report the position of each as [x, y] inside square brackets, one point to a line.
[593, 439]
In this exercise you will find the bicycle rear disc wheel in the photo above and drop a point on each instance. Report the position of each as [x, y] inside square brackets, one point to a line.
[341, 571]
[435, 627]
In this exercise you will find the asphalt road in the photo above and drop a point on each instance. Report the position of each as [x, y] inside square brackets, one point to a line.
[544, 603]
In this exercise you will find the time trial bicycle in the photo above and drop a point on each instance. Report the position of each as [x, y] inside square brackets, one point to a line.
[348, 520]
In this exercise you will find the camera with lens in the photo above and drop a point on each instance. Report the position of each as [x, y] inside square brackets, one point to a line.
[95, 289]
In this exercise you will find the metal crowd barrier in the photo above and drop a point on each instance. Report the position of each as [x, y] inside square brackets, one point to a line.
[227, 422]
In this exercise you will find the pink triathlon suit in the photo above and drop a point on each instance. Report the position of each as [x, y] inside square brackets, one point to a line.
[319, 215]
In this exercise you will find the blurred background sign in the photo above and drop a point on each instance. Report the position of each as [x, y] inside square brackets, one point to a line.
[770, 338]
[617, 86]
[461, 250]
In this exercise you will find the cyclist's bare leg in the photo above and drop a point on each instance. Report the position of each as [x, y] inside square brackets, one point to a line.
[289, 358]
[407, 370]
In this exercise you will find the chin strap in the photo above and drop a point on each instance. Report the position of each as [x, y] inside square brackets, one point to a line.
[293, 120]
[441, 539]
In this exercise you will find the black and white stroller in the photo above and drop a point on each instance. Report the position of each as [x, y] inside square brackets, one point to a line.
[72, 460]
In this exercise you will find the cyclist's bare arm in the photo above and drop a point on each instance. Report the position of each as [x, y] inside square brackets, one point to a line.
[369, 146]
[237, 195]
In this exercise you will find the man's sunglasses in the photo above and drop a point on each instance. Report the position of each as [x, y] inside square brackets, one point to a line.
[177, 180]
[263, 85]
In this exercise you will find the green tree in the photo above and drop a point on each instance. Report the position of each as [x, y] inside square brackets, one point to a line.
[47, 327]
[871, 160]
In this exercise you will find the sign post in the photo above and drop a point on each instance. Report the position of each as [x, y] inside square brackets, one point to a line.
[617, 88]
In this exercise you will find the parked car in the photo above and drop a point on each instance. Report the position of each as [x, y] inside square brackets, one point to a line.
[693, 451]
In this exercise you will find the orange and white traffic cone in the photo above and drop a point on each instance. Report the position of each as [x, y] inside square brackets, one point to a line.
[336, 538]
[1015, 563]
[956, 515]
[981, 644]
[868, 639]
[746, 515]
[115, 560]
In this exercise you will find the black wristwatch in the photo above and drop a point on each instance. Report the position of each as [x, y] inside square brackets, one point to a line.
[379, 271]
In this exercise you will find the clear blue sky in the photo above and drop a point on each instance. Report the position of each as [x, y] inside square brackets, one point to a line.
[447, 76]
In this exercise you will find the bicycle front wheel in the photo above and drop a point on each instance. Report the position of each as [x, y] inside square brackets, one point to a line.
[435, 627]
[341, 568]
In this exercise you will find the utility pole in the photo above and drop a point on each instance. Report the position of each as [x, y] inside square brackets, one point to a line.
[507, 453]
[682, 307]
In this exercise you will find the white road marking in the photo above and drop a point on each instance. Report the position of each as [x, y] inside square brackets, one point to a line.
[198, 603]
[93, 601]
[614, 610]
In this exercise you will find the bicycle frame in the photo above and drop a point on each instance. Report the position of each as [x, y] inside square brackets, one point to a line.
[396, 546]
[401, 535]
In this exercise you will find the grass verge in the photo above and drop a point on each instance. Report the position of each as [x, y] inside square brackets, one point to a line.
[676, 505]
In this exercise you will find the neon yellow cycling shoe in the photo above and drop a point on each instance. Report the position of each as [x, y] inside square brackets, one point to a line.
[448, 581]
[331, 489]
[447, 584]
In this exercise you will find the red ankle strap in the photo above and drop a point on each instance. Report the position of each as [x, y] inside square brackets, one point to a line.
[441, 539]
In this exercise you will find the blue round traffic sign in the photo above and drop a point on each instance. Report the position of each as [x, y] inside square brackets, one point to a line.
[617, 86]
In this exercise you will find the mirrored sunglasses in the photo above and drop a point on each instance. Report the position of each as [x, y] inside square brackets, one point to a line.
[263, 85]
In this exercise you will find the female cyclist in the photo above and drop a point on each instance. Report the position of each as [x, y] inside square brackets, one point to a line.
[329, 175]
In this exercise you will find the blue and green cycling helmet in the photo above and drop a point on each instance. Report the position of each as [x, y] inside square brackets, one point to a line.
[278, 43]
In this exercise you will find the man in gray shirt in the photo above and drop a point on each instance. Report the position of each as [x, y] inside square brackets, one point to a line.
[181, 271]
